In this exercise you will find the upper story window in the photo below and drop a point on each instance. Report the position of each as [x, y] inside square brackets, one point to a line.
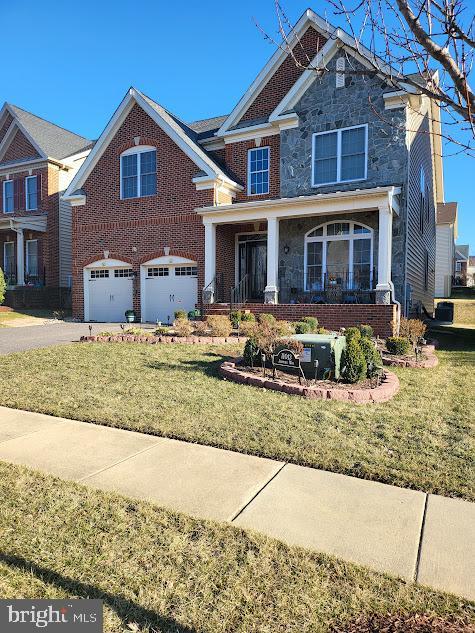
[31, 189]
[423, 198]
[8, 198]
[258, 171]
[138, 169]
[340, 156]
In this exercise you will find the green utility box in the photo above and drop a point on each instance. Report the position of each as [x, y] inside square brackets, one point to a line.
[326, 348]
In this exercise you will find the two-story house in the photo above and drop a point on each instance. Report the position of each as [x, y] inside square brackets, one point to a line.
[316, 196]
[37, 162]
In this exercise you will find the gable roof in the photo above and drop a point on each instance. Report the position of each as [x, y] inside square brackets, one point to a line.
[462, 251]
[49, 139]
[180, 132]
[446, 212]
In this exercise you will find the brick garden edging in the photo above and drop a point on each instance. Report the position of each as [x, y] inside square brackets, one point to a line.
[426, 363]
[154, 340]
[386, 390]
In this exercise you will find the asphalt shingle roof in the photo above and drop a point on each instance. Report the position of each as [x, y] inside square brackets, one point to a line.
[446, 212]
[54, 141]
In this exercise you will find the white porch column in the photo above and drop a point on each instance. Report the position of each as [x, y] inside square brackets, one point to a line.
[20, 257]
[210, 262]
[271, 290]
[383, 287]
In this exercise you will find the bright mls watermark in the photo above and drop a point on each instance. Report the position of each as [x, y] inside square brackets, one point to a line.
[25, 616]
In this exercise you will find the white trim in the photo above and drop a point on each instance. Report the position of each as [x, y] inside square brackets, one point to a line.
[5, 254]
[27, 257]
[138, 150]
[339, 132]
[236, 249]
[4, 197]
[325, 238]
[165, 122]
[27, 208]
[254, 149]
[14, 126]
[101, 263]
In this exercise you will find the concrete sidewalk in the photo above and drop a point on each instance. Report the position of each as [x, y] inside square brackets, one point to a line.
[406, 533]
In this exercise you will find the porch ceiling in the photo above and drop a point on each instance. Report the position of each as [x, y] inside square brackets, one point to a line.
[318, 204]
[33, 223]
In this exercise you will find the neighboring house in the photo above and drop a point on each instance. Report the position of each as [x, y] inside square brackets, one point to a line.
[461, 264]
[37, 162]
[315, 195]
[471, 271]
[446, 235]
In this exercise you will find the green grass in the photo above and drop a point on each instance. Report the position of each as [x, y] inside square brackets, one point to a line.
[165, 571]
[421, 439]
[33, 316]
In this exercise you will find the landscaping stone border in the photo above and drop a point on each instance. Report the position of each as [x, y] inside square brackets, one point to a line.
[386, 390]
[154, 340]
[427, 363]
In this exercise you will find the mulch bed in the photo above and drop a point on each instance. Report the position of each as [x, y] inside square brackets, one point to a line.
[428, 359]
[293, 379]
[320, 391]
[402, 623]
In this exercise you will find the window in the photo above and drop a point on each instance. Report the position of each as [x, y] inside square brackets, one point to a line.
[123, 272]
[8, 196]
[9, 259]
[159, 271]
[258, 170]
[422, 198]
[339, 254]
[31, 187]
[339, 156]
[100, 273]
[32, 258]
[138, 173]
[186, 271]
[458, 267]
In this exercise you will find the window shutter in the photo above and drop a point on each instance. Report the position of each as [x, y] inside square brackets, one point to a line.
[21, 194]
[38, 189]
[1, 196]
[16, 194]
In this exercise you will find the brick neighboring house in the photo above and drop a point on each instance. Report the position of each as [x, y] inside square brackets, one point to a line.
[37, 162]
[304, 200]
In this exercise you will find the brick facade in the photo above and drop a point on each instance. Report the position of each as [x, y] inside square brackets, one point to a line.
[20, 147]
[134, 230]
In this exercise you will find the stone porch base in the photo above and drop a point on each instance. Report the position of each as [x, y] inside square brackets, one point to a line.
[330, 316]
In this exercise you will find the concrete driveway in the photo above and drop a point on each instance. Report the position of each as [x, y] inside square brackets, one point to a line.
[19, 339]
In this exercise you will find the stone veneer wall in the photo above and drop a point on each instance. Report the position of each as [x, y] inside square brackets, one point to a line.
[324, 107]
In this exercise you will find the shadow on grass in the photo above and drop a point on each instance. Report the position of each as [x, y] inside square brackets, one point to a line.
[455, 339]
[127, 610]
[207, 367]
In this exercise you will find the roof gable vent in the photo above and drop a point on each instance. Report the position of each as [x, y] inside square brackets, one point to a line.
[340, 74]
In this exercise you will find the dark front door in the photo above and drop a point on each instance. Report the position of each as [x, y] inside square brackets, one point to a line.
[253, 262]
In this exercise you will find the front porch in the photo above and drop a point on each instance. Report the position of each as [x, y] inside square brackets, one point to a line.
[329, 250]
[22, 254]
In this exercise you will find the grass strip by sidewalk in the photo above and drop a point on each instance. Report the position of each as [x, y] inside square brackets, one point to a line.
[423, 439]
[167, 572]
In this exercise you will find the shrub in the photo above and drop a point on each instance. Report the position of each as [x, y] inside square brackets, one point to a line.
[236, 318]
[290, 343]
[137, 331]
[301, 327]
[312, 321]
[3, 286]
[372, 357]
[181, 314]
[200, 328]
[285, 328]
[248, 317]
[220, 325]
[266, 318]
[248, 328]
[354, 363]
[412, 329]
[399, 345]
[106, 333]
[183, 327]
[366, 331]
[160, 331]
[353, 332]
[250, 354]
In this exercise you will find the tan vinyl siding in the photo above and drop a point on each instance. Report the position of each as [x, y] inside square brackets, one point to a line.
[443, 259]
[65, 256]
[419, 243]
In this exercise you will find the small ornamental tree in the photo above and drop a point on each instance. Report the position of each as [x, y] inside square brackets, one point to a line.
[372, 357]
[412, 329]
[354, 363]
[3, 286]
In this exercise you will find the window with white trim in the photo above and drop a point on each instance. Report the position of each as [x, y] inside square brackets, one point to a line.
[123, 272]
[258, 170]
[8, 203]
[100, 273]
[339, 254]
[138, 173]
[31, 193]
[186, 271]
[8, 259]
[158, 271]
[32, 258]
[340, 156]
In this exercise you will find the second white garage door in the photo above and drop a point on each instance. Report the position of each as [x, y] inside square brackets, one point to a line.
[167, 288]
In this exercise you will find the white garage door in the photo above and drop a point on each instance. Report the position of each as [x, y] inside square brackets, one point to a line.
[110, 293]
[169, 288]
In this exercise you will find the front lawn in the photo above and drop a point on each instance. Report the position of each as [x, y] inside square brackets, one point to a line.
[162, 571]
[421, 439]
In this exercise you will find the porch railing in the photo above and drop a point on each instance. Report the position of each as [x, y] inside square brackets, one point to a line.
[37, 278]
[215, 289]
[331, 287]
[240, 292]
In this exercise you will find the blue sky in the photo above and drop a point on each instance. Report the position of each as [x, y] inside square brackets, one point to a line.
[72, 63]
